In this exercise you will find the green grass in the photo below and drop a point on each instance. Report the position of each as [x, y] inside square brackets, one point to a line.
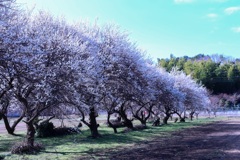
[80, 145]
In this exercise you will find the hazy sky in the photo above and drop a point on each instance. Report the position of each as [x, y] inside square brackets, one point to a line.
[161, 27]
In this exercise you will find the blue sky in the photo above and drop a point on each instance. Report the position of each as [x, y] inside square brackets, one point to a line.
[161, 27]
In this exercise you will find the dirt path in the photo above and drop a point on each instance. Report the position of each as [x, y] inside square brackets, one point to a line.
[215, 141]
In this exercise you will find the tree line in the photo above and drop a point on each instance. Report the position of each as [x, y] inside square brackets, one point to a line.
[50, 67]
[217, 73]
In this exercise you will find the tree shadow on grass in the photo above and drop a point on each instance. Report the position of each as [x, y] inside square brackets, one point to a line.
[108, 137]
[61, 152]
[82, 144]
[107, 140]
[102, 143]
[7, 143]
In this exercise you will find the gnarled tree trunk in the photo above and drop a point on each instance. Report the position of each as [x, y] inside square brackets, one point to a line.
[191, 115]
[182, 119]
[10, 129]
[127, 122]
[143, 115]
[93, 123]
[166, 118]
[30, 134]
[110, 124]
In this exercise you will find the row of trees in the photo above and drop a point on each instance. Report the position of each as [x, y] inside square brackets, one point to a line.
[50, 67]
[218, 74]
[225, 101]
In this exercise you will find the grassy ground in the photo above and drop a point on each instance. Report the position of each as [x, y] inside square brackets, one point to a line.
[80, 145]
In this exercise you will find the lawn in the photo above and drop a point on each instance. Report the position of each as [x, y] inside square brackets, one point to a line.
[80, 145]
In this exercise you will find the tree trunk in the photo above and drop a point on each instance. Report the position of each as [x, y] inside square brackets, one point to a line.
[93, 123]
[143, 118]
[165, 119]
[144, 122]
[182, 119]
[9, 129]
[191, 115]
[30, 133]
[127, 122]
[115, 129]
[94, 131]
[110, 123]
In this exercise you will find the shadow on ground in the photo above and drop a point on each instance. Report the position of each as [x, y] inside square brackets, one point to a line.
[214, 141]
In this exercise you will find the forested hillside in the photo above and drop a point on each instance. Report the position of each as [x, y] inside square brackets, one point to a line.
[218, 73]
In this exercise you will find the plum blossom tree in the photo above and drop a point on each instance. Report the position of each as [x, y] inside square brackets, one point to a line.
[215, 104]
[6, 80]
[40, 49]
[10, 28]
[111, 64]
[83, 89]
[146, 99]
[123, 75]
[167, 96]
[196, 96]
